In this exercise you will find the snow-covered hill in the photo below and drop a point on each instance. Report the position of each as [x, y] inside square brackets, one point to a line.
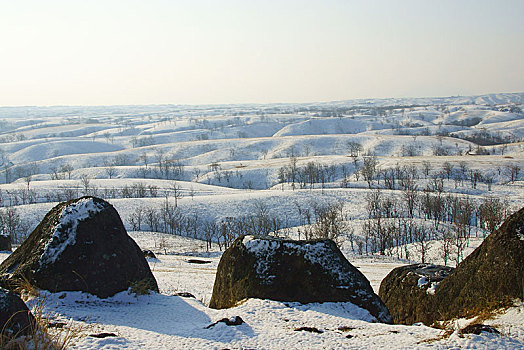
[278, 163]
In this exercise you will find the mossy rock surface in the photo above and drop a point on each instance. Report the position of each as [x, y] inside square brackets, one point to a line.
[490, 277]
[80, 245]
[286, 270]
[407, 292]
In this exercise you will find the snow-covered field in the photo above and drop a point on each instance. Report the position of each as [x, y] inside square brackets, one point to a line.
[168, 321]
[228, 161]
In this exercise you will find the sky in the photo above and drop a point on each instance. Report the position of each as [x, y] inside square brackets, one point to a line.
[77, 52]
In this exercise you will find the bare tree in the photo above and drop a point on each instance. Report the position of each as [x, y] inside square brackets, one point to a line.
[10, 223]
[210, 231]
[513, 170]
[369, 169]
[136, 218]
[448, 169]
[176, 192]
[110, 171]
[355, 149]
[329, 223]
[421, 236]
[446, 240]
[492, 212]
[426, 168]
[85, 181]
[67, 168]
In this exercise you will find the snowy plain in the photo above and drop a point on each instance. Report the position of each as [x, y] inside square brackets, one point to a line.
[224, 161]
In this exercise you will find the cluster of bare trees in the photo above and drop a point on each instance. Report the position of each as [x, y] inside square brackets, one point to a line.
[169, 218]
[396, 221]
[401, 177]
[85, 187]
[12, 225]
[310, 174]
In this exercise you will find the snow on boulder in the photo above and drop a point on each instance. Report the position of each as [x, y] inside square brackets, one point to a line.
[15, 317]
[285, 270]
[406, 290]
[80, 245]
[492, 276]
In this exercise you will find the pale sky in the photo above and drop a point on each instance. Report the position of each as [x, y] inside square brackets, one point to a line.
[105, 52]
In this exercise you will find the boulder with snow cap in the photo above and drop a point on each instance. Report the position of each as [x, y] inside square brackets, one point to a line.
[80, 245]
[285, 270]
[406, 290]
[491, 277]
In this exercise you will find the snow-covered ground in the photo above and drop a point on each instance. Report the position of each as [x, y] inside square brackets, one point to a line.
[169, 321]
[223, 161]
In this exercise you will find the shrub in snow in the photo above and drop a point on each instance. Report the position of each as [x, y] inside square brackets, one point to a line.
[285, 270]
[80, 245]
[406, 290]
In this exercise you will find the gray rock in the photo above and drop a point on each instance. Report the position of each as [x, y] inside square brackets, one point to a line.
[406, 291]
[5, 243]
[80, 245]
[15, 317]
[286, 270]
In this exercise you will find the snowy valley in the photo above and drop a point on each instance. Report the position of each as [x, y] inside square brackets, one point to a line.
[391, 181]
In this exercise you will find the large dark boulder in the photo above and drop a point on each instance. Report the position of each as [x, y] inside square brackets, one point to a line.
[490, 277]
[80, 245]
[406, 291]
[15, 317]
[285, 270]
[5, 243]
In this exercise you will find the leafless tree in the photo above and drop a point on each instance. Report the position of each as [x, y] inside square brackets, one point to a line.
[513, 171]
[355, 149]
[136, 218]
[176, 192]
[329, 223]
[446, 240]
[369, 169]
[85, 181]
[110, 171]
[421, 236]
[492, 212]
[68, 169]
[10, 223]
[426, 168]
[448, 169]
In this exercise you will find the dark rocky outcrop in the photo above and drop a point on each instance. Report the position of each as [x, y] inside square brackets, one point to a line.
[198, 261]
[489, 278]
[406, 290]
[184, 295]
[285, 270]
[5, 243]
[232, 321]
[15, 317]
[148, 254]
[80, 245]
[478, 329]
